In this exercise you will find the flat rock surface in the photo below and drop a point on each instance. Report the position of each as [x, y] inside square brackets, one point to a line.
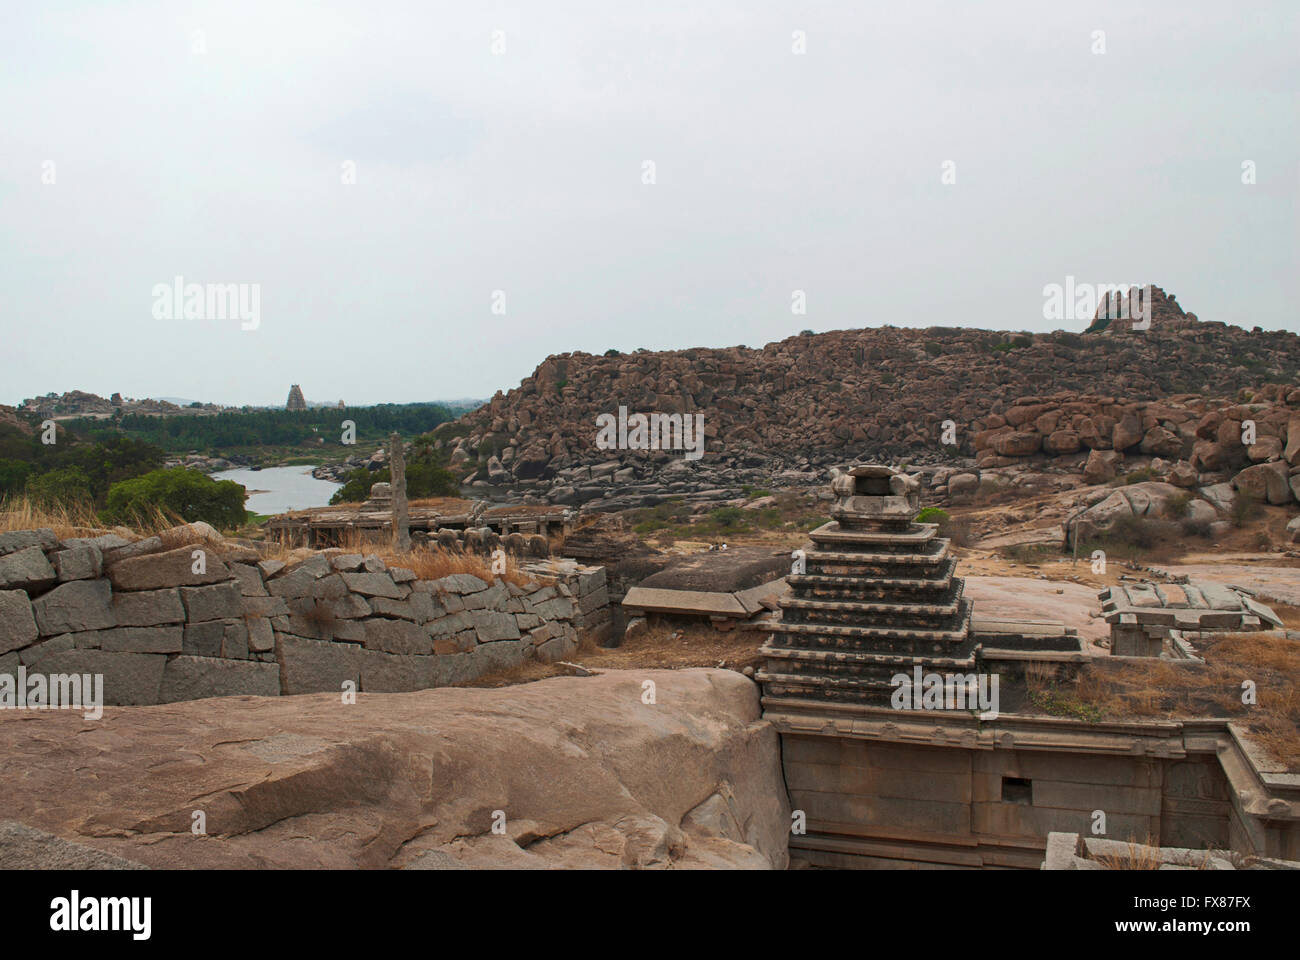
[723, 571]
[571, 771]
[1022, 598]
[1275, 584]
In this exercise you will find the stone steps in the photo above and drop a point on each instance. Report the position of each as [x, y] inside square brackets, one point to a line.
[833, 533]
[959, 632]
[858, 586]
[937, 554]
[819, 605]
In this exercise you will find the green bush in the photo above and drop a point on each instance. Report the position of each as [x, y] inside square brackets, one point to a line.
[62, 487]
[727, 517]
[933, 515]
[424, 478]
[13, 476]
[933, 349]
[190, 494]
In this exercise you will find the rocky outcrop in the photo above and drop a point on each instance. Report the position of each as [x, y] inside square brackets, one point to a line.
[1186, 440]
[801, 404]
[568, 772]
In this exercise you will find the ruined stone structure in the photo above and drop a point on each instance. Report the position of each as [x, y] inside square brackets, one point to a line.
[296, 400]
[431, 520]
[401, 515]
[876, 598]
[1143, 616]
[159, 629]
[880, 786]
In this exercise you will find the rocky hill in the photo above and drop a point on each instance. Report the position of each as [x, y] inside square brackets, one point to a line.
[78, 403]
[813, 399]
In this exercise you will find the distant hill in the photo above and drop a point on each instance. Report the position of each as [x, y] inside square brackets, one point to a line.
[879, 390]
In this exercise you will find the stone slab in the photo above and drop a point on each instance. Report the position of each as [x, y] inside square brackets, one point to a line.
[197, 678]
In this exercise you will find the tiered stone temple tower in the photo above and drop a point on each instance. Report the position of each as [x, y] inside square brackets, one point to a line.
[877, 598]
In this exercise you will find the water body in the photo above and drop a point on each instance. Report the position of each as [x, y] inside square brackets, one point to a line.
[286, 488]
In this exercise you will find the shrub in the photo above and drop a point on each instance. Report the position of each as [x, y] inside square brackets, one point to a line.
[425, 477]
[1178, 506]
[190, 494]
[727, 516]
[933, 515]
[1243, 510]
[13, 476]
[64, 487]
[611, 352]
[1196, 528]
[933, 349]
[1129, 531]
[1140, 475]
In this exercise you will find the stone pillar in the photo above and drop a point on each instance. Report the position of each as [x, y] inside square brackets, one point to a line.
[401, 518]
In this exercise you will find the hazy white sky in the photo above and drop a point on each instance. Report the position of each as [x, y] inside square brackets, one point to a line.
[522, 171]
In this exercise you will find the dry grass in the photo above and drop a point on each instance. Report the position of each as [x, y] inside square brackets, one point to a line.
[78, 519]
[1140, 856]
[73, 520]
[1163, 688]
[435, 563]
[428, 563]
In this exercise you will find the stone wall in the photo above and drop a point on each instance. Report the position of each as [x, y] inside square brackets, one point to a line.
[203, 620]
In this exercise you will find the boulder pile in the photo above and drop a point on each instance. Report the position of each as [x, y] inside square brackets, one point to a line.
[788, 411]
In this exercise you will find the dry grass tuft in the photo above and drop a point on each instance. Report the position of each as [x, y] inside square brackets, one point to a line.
[436, 563]
[1162, 688]
[1140, 856]
[78, 519]
[70, 520]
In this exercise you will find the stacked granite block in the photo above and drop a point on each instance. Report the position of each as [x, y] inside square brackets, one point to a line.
[213, 619]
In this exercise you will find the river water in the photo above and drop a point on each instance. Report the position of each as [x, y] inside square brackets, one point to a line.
[285, 488]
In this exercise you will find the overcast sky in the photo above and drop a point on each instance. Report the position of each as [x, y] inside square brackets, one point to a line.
[211, 141]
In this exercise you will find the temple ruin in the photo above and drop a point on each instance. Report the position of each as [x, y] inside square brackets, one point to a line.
[875, 606]
[876, 597]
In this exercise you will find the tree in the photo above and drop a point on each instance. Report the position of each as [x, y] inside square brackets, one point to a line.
[426, 476]
[189, 494]
[60, 488]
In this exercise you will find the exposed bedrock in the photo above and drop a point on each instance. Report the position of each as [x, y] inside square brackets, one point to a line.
[572, 772]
